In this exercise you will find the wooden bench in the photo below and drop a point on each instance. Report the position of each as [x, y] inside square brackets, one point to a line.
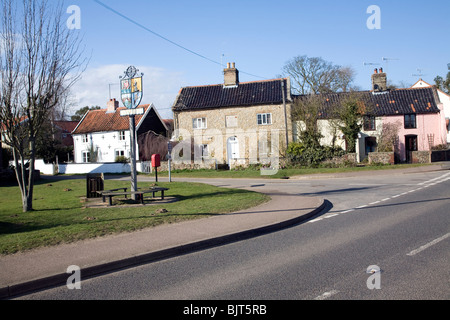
[110, 194]
[111, 191]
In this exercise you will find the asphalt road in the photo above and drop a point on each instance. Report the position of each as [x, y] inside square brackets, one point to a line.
[397, 223]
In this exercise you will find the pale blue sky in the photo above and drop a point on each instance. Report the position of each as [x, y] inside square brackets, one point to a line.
[260, 36]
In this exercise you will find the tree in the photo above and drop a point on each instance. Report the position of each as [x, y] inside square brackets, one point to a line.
[40, 59]
[388, 140]
[315, 75]
[306, 110]
[349, 115]
[79, 114]
[442, 84]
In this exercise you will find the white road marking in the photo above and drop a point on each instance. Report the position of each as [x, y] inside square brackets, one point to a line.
[326, 295]
[429, 244]
[424, 184]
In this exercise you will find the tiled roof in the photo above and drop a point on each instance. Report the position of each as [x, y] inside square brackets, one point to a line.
[102, 121]
[387, 103]
[217, 96]
[66, 126]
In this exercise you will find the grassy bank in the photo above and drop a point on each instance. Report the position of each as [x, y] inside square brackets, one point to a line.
[254, 173]
[61, 217]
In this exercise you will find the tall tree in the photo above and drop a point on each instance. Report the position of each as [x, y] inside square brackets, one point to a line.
[443, 84]
[79, 114]
[315, 75]
[40, 59]
[348, 114]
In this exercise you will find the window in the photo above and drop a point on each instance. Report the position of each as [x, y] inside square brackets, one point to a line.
[199, 123]
[85, 138]
[122, 136]
[264, 118]
[86, 156]
[205, 152]
[410, 121]
[369, 123]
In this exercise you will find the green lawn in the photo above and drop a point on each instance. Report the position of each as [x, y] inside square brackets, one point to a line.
[59, 215]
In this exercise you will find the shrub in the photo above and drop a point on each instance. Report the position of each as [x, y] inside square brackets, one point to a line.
[303, 155]
[121, 159]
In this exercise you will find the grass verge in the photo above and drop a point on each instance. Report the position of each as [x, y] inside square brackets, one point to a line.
[250, 173]
[60, 217]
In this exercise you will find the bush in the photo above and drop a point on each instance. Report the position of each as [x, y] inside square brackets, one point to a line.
[300, 154]
[122, 159]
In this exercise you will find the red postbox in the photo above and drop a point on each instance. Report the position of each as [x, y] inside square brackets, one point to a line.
[156, 160]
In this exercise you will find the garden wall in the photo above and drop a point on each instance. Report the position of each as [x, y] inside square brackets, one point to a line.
[421, 156]
[381, 157]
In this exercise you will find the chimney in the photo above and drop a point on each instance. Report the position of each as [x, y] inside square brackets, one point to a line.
[379, 81]
[231, 75]
[112, 106]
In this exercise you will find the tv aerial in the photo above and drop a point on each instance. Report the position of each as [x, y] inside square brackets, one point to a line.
[370, 64]
[419, 74]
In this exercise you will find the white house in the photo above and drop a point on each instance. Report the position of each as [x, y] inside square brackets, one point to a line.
[445, 100]
[103, 135]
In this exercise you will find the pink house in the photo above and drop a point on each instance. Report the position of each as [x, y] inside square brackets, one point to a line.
[418, 132]
[417, 112]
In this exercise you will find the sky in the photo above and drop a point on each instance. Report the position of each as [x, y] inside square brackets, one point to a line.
[179, 43]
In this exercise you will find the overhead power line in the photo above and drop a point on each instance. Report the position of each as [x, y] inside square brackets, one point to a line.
[164, 38]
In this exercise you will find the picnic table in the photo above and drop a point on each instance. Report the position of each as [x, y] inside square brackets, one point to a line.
[115, 192]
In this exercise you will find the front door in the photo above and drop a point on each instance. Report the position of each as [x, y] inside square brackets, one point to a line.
[232, 148]
[410, 146]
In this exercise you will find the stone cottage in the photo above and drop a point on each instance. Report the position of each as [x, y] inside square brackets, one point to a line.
[233, 123]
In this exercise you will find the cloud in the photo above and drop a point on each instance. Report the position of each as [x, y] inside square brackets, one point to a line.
[98, 84]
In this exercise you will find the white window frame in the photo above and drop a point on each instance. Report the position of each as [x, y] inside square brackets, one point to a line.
[199, 123]
[85, 138]
[122, 135]
[85, 156]
[264, 119]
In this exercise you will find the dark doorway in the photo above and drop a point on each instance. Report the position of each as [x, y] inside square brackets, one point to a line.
[371, 144]
[410, 146]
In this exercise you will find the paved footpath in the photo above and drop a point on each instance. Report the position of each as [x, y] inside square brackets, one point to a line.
[41, 268]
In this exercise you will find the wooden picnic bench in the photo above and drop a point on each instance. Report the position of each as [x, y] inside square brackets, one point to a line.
[110, 191]
[110, 194]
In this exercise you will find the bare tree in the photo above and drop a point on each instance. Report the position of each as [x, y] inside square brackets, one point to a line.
[315, 75]
[40, 59]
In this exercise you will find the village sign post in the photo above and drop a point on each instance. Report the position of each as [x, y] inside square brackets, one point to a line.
[131, 91]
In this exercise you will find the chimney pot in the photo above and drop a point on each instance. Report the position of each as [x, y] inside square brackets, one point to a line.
[375, 71]
[379, 81]
[231, 75]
